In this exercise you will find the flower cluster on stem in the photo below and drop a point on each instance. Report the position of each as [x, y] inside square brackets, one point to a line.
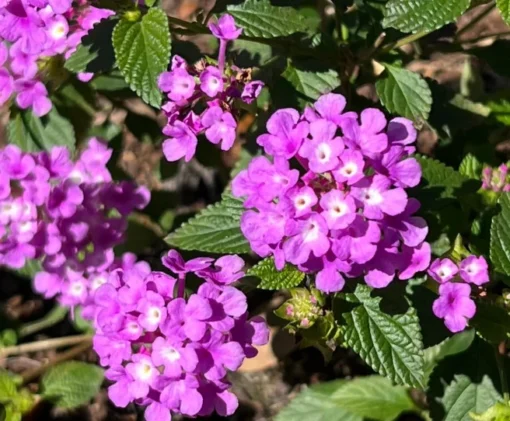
[496, 179]
[171, 353]
[68, 214]
[454, 304]
[345, 212]
[32, 31]
[201, 98]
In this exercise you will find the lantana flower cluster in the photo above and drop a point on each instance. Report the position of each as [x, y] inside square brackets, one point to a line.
[346, 213]
[201, 98]
[454, 304]
[170, 353]
[68, 214]
[496, 179]
[30, 33]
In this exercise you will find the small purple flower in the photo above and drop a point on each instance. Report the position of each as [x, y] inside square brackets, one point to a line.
[474, 270]
[174, 357]
[302, 200]
[178, 83]
[306, 237]
[211, 81]
[32, 94]
[351, 167]
[454, 305]
[366, 136]
[443, 270]
[251, 91]
[339, 209]
[220, 127]
[225, 29]
[182, 143]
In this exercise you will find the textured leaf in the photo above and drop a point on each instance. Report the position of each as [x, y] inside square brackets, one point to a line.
[391, 345]
[436, 174]
[498, 412]
[471, 167]
[271, 278]
[500, 237]
[463, 396]
[261, 19]
[216, 229]
[32, 133]
[371, 397]
[311, 83]
[380, 340]
[315, 404]
[404, 93]
[95, 53]
[453, 345]
[500, 110]
[142, 50]
[422, 15]
[72, 383]
[8, 387]
[504, 9]
[492, 322]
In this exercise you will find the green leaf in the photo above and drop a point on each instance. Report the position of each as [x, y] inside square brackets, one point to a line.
[498, 412]
[500, 237]
[71, 383]
[422, 15]
[471, 167]
[504, 9]
[312, 83]
[95, 53]
[436, 174]
[371, 397]
[272, 278]
[33, 134]
[463, 396]
[30, 269]
[451, 346]
[261, 19]
[491, 321]
[404, 93]
[216, 229]
[8, 387]
[500, 110]
[391, 345]
[315, 404]
[142, 50]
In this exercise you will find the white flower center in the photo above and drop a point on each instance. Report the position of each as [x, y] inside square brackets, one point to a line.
[144, 371]
[76, 289]
[350, 169]
[171, 354]
[301, 202]
[339, 209]
[58, 31]
[311, 232]
[323, 152]
[372, 197]
[98, 281]
[154, 315]
[444, 272]
[472, 269]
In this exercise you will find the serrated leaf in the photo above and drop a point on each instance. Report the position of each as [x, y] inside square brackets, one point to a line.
[259, 18]
[272, 278]
[95, 53]
[471, 167]
[436, 174]
[315, 404]
[371, 397]
[391, 345]
[33, 134]
[142, 50]
[404, 93]
[504, 9]
[311, 83]
[216, 229]
[454, 345]
[492, 322]
[71, 383]
[500, 237]
[463, 396]
[422, 15]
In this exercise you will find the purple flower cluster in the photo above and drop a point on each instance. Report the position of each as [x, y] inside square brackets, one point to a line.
[170, 353]
[210, 89]
[31, 31]
[68, 214]
[454, 304]
[347, 212]
[495, 179]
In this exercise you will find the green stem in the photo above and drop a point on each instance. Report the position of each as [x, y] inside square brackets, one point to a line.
[44, 345]
[500, 353]
[403, 41]
[57, 314]
[474, 21]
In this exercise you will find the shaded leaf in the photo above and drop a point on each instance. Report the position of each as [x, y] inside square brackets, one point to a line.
[422, 15]
[500, 237]
[312, 83]
[471, 167]
[142, 50]
[216, 229]
[271, 278]
[71, 383]
[504, 9]
[491, 321]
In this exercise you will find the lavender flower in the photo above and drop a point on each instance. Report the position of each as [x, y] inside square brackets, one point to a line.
[346, 213]
[171, 354]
